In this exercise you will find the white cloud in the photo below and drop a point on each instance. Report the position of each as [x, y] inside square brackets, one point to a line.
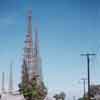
[7, 20]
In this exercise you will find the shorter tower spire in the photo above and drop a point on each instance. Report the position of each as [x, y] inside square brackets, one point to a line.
[3, 83]
[36, 42]
[10, 79]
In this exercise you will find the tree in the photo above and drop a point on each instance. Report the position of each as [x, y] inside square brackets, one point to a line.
[62, 95]
[30, 89]
[23, 86]
[56, 96]
[39, 91]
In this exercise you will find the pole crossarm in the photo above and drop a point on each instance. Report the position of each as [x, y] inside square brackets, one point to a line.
[88, 54]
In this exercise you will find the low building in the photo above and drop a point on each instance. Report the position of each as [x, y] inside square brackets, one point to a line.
[14, 96]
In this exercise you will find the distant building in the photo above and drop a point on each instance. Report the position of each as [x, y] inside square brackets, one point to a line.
[14, 96]
[97, 97]
[95, 91]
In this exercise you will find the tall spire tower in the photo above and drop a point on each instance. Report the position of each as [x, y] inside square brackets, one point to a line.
[31, 54]
[31, 69]
[28, 50]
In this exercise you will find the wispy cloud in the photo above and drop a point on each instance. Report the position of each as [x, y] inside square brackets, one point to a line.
[7, 20]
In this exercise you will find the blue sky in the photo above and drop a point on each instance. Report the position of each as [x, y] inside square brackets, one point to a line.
[67, 28]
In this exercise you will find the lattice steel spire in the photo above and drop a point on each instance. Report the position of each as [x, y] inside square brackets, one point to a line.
[28, 50]
[31, 54]
[37, 55]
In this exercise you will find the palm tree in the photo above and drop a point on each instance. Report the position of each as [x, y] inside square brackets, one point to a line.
[62, 95]
[56, 96]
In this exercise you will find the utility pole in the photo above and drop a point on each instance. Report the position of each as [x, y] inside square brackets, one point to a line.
[88, 70]
[84, 80]
[74, 98]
